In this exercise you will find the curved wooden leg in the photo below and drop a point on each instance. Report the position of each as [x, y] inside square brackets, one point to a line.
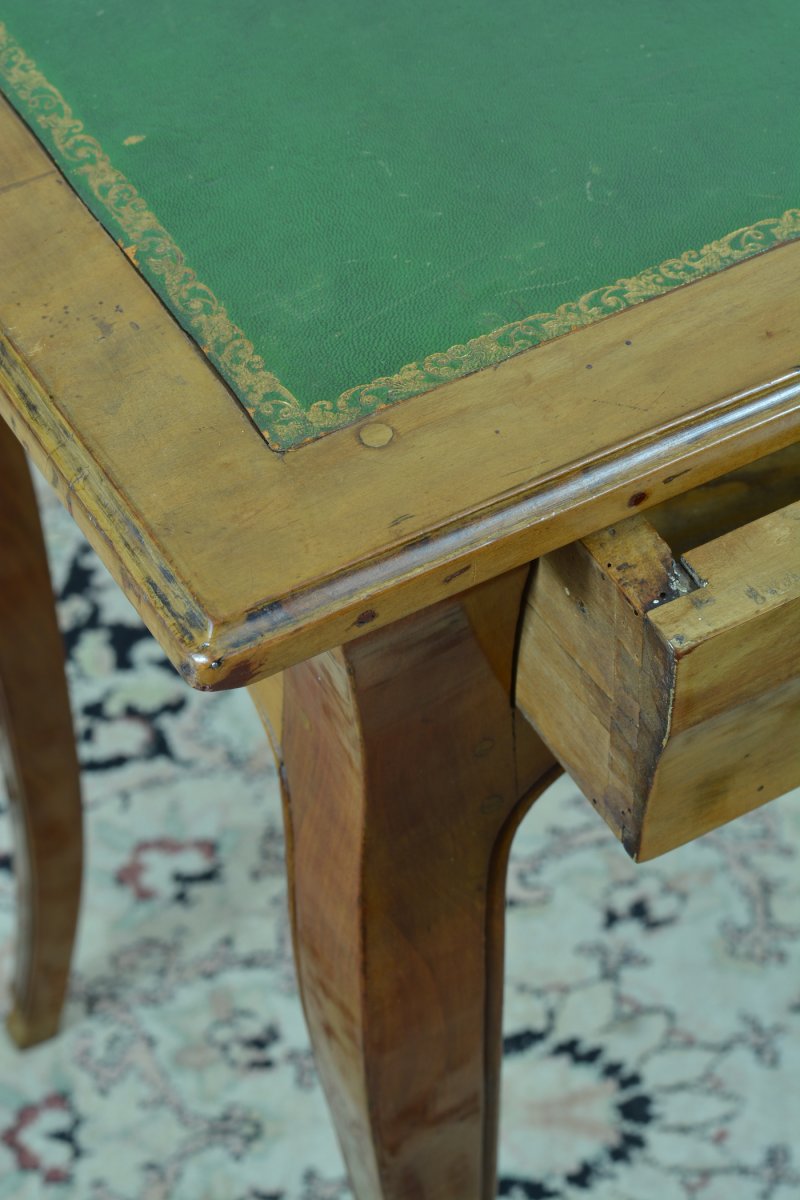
[401, 783]
[39, 760]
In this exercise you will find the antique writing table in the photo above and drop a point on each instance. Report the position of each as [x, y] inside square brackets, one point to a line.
[303, 313]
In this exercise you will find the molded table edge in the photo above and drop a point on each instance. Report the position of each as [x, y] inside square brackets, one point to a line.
[324, 547]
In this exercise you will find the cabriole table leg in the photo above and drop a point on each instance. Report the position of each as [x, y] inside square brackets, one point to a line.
[403, 784]
[39, 760]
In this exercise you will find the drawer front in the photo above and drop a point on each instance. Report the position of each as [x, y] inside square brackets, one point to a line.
[669, 688]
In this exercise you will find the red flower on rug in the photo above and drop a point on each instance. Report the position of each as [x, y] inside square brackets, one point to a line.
[169, 866]
[43, 1138]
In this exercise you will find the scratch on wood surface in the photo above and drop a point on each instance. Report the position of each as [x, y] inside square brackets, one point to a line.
[455, 574]
[10, 187]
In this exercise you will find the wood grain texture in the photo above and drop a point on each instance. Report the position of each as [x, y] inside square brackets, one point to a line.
[402, 792]
[267, 695]
[734, 732]
[669, 689]
[242, 561]
[38, 758]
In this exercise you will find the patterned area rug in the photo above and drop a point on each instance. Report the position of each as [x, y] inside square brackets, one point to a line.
[652, 1022]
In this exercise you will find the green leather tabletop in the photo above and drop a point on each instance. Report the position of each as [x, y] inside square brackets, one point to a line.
[346, 204]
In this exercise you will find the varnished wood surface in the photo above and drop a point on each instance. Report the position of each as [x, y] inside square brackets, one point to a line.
[402, 788]
[242, 561]
[670, 689]
[735, 715]
[38, 758]
[267, 695]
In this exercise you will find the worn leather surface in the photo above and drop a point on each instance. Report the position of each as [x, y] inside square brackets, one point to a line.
[361, 185]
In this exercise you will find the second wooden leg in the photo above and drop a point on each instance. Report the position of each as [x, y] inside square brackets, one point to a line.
[38, 756]
[401, 787]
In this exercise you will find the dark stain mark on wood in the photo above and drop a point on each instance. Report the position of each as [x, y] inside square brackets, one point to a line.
[188, 622]
[105, 327]
[237, 677]
[636, 499]
[78, 479]
[269, 612]
[133, 530]
[698, 600]
[273, 615]
[159, 594]
[455, 574]
[366, 617]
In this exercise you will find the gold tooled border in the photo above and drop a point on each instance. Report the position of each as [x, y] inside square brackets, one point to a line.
[149, 245]
[601, 302]
[280, 416]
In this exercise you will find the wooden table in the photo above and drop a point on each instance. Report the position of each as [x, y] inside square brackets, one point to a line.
[381, 567]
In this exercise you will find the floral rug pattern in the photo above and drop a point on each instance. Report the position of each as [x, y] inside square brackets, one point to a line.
[652, 1020]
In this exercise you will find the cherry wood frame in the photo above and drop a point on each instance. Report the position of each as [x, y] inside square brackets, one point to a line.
[242, 560]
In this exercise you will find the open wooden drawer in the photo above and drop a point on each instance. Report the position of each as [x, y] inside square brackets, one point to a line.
[668, 685]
